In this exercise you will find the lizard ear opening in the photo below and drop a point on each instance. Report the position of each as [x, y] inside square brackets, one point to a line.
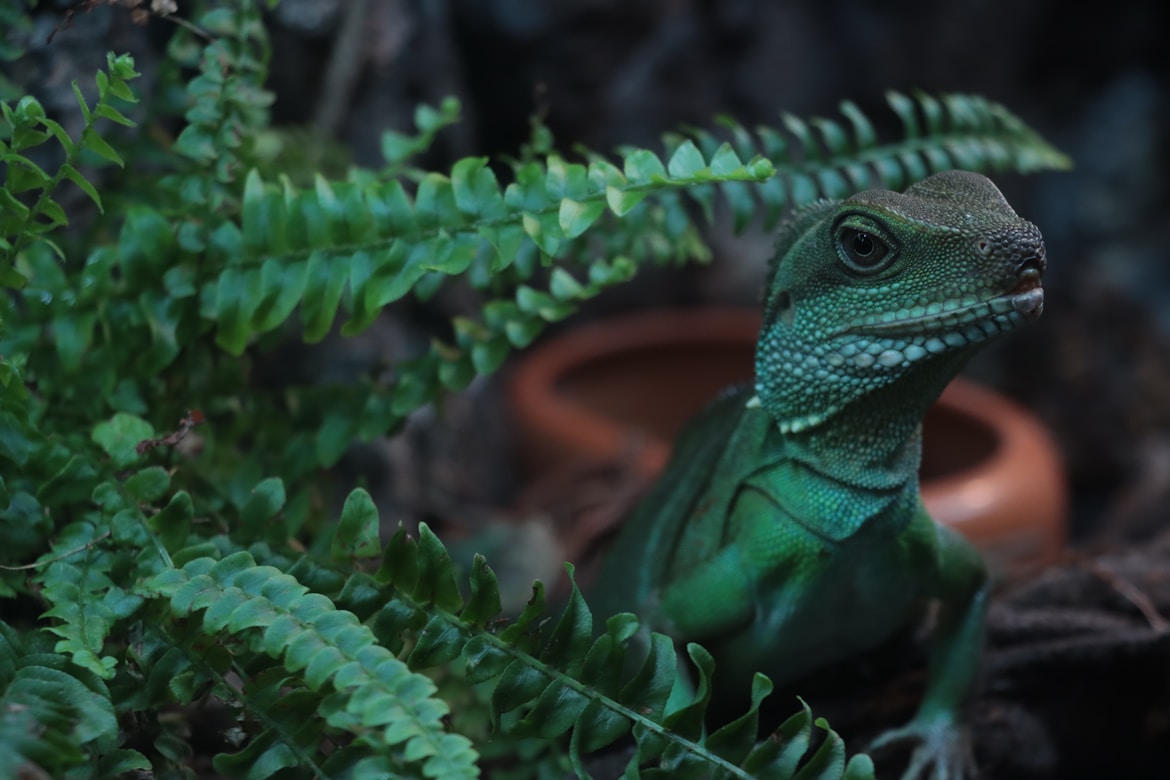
[783, 308]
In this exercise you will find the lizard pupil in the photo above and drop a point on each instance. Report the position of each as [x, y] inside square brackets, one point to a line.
[863, 244]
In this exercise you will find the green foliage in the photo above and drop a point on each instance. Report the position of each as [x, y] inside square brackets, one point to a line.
[162, 510]
[52, 711]
[27, 127]
[372, 693]
[345, 676]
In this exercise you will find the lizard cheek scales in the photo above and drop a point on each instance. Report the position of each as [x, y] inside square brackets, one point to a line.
[878, 301]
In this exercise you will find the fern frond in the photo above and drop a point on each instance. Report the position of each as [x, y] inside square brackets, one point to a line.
[293, 729]
[571, 682]
[398, 148]
[53, 715]
[80, 576]
[566, 683]
[374, 695]
[824, 158]
[78, 586]
[29, 127]
[228, 98]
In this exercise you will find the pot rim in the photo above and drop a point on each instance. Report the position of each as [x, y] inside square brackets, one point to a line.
[1025, 461]
[534, 379]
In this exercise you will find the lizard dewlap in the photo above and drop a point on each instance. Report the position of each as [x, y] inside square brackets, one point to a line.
[787, 532]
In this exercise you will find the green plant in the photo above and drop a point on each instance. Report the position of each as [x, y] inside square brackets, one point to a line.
[166, 574]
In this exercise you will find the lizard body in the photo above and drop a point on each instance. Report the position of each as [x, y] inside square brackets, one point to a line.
[787, 531]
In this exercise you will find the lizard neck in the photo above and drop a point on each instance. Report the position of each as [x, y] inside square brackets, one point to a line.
[874, 442]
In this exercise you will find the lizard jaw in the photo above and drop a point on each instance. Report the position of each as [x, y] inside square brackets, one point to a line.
[888, 341]
[1024, 302]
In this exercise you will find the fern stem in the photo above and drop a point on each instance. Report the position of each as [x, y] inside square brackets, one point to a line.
[590, 693]
[71, 156]
[304, 759]
[87, 546]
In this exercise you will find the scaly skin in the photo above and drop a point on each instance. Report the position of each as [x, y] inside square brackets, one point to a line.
[787, 532]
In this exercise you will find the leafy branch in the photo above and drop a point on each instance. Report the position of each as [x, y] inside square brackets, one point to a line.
[29, 127]
[568, 681]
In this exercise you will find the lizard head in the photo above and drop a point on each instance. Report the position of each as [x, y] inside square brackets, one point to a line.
[883, 285]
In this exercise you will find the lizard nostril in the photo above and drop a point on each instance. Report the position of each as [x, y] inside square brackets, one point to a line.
[1035, 264]
[1019, 247]
[1030, 259]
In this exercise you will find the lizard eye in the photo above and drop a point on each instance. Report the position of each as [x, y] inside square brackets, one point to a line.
[862, 251]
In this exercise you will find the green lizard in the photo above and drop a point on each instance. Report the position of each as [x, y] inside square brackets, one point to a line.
[787, 532]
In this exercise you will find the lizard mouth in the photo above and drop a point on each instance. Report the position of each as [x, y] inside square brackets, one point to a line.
[1027, 297]
[1023, 302]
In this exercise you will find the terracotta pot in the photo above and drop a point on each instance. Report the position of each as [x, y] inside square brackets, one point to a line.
[624, 387]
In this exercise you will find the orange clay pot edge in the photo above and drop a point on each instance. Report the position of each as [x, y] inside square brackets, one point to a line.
[574, 427]
[984, 502]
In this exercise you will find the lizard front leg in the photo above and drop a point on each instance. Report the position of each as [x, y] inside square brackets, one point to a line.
[724, 594]
[713, 598]
[940, 727]
[716, 597]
